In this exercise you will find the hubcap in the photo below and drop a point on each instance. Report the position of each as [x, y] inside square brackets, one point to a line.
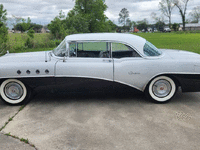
[161, 88]
[13, 91]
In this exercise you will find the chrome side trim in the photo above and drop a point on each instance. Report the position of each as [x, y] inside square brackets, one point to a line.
[58, 76]
[16, 77]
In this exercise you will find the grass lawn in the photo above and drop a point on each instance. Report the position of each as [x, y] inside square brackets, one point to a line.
[181, 41]
[184, 41]
[17, 40]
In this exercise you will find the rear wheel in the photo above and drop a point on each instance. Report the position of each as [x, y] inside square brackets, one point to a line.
[161, 89]
[14, 92]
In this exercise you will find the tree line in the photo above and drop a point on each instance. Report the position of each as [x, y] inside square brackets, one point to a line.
[166, 7]
[86, 16]
[3, 28]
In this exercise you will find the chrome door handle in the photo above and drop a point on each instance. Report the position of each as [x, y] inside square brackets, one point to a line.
[106, 60]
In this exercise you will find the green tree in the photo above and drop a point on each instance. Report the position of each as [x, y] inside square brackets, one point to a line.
[160, 25]
[182, 7]
[195, 14]
[77, 23]
[112, 25]
[175, 26]
[29, 42]
[36, 27]
[93, 12]
[143, 24]
[31, 33]
[166, 7]
[57, 28]
[86, 16]
[123, 16]
[24, 25]
[3, 29]
[12, 21]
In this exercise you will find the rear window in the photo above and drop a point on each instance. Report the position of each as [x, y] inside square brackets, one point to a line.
[150, 50]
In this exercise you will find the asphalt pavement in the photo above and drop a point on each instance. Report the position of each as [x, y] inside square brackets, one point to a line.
[102, 121]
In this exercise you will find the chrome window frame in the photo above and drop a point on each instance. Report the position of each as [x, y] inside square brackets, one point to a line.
[109, 41]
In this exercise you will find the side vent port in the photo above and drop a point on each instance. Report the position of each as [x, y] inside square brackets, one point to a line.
[47, 71]
[28, 71]
[19, 72]
[37, 71]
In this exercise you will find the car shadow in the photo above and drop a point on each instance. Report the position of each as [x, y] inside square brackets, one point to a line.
[44, 95]
[186, 98]
[131, 96]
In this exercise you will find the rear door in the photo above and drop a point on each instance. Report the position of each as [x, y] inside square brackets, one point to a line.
[129, 66]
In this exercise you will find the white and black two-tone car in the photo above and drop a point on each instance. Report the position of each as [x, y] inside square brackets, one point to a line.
[101, 59]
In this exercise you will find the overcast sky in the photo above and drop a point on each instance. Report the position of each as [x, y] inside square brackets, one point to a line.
[43, 11]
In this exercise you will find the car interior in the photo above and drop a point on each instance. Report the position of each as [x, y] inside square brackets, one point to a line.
[101, 50]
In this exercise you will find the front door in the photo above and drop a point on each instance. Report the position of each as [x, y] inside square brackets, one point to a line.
[88, 66]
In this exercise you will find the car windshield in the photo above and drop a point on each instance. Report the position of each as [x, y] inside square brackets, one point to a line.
[61, 49]
[150, 50]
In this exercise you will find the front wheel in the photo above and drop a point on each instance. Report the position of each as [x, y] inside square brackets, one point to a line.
[161, 89]
[14, 92]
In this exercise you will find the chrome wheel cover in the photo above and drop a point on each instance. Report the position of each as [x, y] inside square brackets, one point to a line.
[161, 88]
[13, 90]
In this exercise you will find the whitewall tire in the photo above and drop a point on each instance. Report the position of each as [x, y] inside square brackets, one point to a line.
[14, 92]
[161, 89]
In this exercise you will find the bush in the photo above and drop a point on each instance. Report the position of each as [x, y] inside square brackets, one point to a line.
[29, 43]
[31, 33]
[175, 26]
[3, 29]
[22, 42]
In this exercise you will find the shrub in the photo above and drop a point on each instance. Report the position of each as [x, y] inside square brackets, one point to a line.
[31, 33]
[29, 43]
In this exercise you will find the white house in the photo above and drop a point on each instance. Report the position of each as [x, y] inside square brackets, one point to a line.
[191, 26]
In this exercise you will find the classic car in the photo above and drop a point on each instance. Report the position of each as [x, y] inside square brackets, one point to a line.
[100, 60]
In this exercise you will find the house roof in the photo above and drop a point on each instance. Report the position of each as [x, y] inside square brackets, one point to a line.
[191, 25]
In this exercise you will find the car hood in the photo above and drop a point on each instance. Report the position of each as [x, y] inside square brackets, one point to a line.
[24, 57]
[180, 54]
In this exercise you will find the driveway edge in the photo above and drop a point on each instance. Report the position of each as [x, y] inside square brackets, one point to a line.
[26, 141]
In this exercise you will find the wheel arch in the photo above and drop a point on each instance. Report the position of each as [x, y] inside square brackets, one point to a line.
[175, 79]
[25, 83]
[25, 97]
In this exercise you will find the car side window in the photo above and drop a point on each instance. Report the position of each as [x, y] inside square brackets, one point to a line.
[72, 49]
[61, 50]
[90, 49]
[120, 50]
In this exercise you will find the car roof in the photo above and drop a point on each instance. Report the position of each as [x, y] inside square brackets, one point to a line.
[135, 41]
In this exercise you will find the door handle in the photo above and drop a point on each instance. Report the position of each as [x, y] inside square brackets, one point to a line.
[107, 60]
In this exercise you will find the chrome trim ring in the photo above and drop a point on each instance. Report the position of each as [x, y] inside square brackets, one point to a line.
[161, 88]
[13, 90]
